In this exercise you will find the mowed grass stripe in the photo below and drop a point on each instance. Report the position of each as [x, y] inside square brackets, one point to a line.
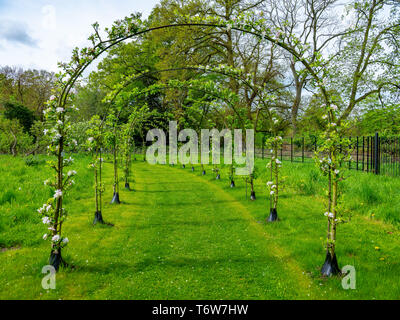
[196, 243]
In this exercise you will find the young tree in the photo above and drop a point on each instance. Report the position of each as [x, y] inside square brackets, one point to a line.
[138, 115]
[333, 149]
[127, 148]
[95, 144]
[274, 165]
[111, 139]
[53, 212]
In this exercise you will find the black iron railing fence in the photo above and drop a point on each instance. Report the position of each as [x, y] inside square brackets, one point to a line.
[375, 154]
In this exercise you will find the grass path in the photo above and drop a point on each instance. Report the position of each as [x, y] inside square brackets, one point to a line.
[187, 238]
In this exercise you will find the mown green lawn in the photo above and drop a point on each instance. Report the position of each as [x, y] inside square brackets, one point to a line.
[180, 235]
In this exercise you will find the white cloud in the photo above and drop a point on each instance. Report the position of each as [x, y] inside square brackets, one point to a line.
[40, 33]
[15, 32]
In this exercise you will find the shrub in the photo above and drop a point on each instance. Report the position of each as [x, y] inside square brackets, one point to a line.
[32, 161]
[12, 137]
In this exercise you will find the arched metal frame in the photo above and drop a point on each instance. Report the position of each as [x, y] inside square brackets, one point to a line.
[104, 46]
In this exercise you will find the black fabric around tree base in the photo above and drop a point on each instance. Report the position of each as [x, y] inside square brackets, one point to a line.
[98, 218]
[56, 259]
[253, 196]
[233, 184]
[330, 267]
[115, 199]
[273, 217]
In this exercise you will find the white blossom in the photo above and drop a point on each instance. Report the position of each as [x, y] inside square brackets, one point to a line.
[60, 110]
[58, 194]
[337, 171]
[69, 160]
[334, 107]
[71, 173]
[272, 193]
[55, 238]
[91, 139]
[65, 240]
[269, 183]
[46, 220]
[45, 237]
[329, 214]
[45, 131]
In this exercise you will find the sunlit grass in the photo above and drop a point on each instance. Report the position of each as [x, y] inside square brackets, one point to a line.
[184, 236]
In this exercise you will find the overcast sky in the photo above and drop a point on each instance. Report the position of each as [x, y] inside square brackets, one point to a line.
[39, 33]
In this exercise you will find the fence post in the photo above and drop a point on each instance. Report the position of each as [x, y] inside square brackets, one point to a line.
[376, 153]
[363, 155]
[357, 153]
[350, 154]
[304, 143]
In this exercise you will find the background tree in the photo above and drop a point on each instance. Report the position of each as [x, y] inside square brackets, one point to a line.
[16, 111]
